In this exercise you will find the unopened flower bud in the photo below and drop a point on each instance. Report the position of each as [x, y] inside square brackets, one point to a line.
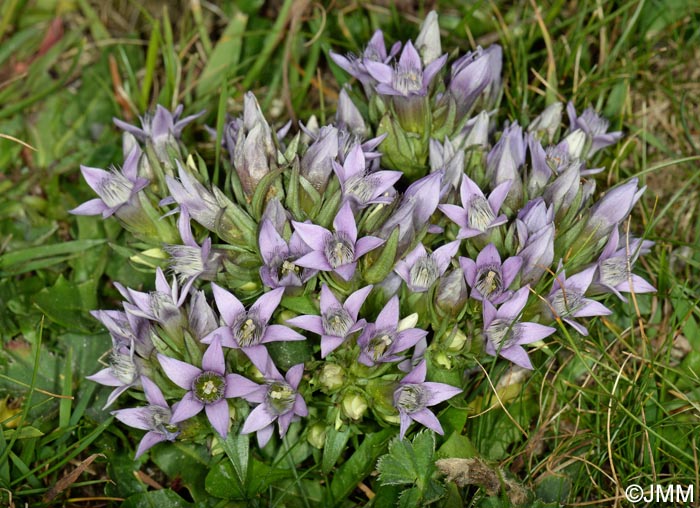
[317, 435]
[428, 40]
[443, 360]
[457, 341]
[332, 377]
[354, 405]
[575, 143]
[452, 291]
[546, 124]
[409, 321]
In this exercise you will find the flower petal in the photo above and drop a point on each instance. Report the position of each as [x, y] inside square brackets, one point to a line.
[428, 419]
[229, 306]
[259, 418]
[186, 408]
[180, 373]
[314, 236]
[213, 358]
[266, 304]
[149, 441]
[218, 416]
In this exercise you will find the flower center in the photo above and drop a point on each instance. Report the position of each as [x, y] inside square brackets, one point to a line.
[613, 271]
[337, 321]
[163, 308]
[185, 260]
[115, 190]
[380, 344]
[480, 215]
[362, 187]
[280, 397]
[248, 330]
[424, 272]
[209, 387]
[411, 398]
[407, 81]
[502, 333]
[489, 281]
[566, 302]
[123, 367]
[339, 251]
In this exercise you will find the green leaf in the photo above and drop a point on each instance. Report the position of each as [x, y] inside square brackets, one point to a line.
[164, 498]
[384, 264]
[189, 462]
[237, 450]
[408, 462]
[457, 446]
[300, 304]
[26, 432]
[334, 446]
[226, 55]
[223, 481]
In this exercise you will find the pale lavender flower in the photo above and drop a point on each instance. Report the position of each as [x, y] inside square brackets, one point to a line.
[192, 261]
[477, 214]
[446, 158]
[505, 159]
[428, 40]
[337, 321]
[162, 305]
[414, 395]
[127, 329]
[374, 52]
[117, 190]
[505, 334]
[201, 204]
[278, 399]
[547, 123]
[279, 258]
[201, 319]
[488, 277]
[535, 227]
[122, 373]
[474, 133]
[613, 267]
[207, 387]
[338, 251]
[452, 292]
[361, 187]
[381, 341]
[316, 164]
[154, 418]
[348, 117]
[420, 270]
[249, 330]
[613, 208]
[595, 127]
[472, 74]
[566, 300]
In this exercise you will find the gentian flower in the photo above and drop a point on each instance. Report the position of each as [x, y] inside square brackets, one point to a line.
[613, 267]
[207, 387]
[154, 418]
[595, 127]
[428, 40]
[545, 125]
[338, 251]
[277, 399]
[123, 372]
[446, 158]
[505, 334]
[613, 208]
[316, 163]
[348, 117]
[363, 188]
[472, 74]
[117, 189]
[337, 321]
[127, 329]
[161, 306]
[488, 277]
[248, 330]
[452, 292]
[280, 257]
[382, 341]
[420, 269]
[477, 214]
[505, 159]
[201, 204]
[535, 226]
[201, 319]
[414, 395]
[566, 299]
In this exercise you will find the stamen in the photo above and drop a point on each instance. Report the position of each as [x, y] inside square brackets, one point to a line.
[337, 321]
[339, 251]
[209, 387]
[412, 398]
[613, 271]
[123, 367]
[115, 190]
[489, 281]
[502, 334]
[566, 301]
[479, 213]
[280, 397]
[424, 272]
[380, 344]
[247, 329]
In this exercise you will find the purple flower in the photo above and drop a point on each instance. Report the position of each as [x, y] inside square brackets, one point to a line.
[337, 321]
[381, 341]
[277, 399]
[472, 74]
[613, 267]
[428, 40]
[477, 214]
[445, 157]
[127, 329]
[316, 164]
[200, 317]
[338, 251]
[207, 388]
[249, 330]
[348, 117]
[595, 127]
[505, 334]
[162, 305]
[160, 127]
[374, 52]
[547, 123]
[280, 269]
[488, 277]
[505, 159]
[201, 204]
[361, 187]
[123, 372]
[566, 299]
[613, 208]
[414, 395]
[407, 78]
[535, 228]
[155, 418]
[192, 261]
[117, 189]
[420, 269]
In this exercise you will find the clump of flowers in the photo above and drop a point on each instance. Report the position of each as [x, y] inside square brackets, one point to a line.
[331, 275]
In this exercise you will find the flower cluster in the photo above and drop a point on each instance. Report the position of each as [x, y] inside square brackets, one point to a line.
[331, 272]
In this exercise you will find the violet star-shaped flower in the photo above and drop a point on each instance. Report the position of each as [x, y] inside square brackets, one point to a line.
[123, 372]
[159, 127]
[374, 52]
[127, 329]
[207, 387]
[420, 269]
[161, 306]
[477, 214]
[407, 78]
[278, 399]
[201, 204]
[472, 74]
[249, 330]
[613, 267]
[337, 321]
[488, 277]
[382, 341]
[279, 258]
[154, 418]
[505, 334]
[338, 251]
[595, 127]
[361, 187]
[116, 189]
[414, 395]
[613, 208]
[566, 299]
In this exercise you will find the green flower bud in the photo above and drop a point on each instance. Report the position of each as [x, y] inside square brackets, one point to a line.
[317, 435]
[332, 377]
[354, 405]
[456, 342]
